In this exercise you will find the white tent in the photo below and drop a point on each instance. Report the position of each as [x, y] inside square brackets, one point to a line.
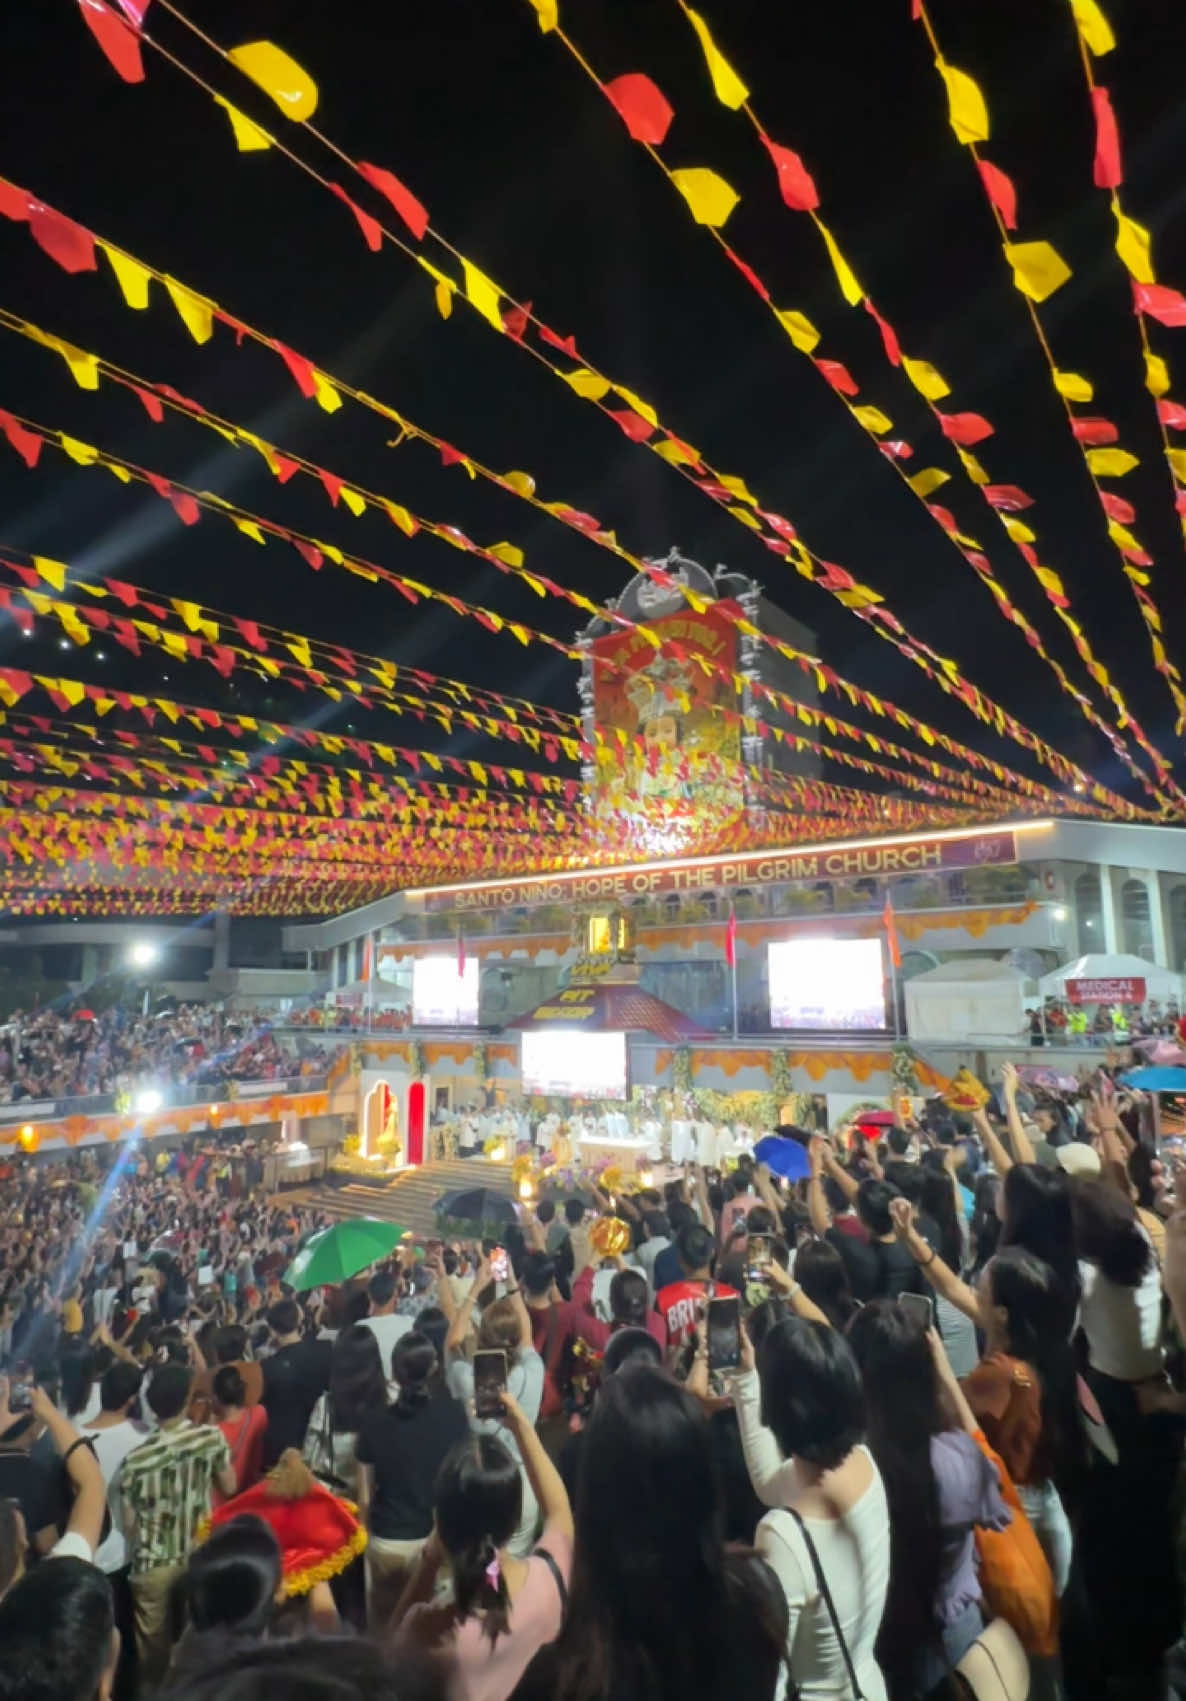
[977, 998]
[1114, 966]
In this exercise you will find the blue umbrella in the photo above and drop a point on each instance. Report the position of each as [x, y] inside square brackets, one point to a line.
[1158, 1079]
[784, 1157]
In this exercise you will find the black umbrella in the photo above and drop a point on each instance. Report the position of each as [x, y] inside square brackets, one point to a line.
[476, 1205]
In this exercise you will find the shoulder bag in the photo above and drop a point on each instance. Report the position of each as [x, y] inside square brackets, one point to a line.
[822, 1582]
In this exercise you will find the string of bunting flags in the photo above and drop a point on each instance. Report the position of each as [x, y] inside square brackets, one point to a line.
[1038, 270]
[83, 366]
[637, 100]
[295, 94]
[202, 639]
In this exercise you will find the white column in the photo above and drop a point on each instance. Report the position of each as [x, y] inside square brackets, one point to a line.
[1111, 939]
[1161, 954]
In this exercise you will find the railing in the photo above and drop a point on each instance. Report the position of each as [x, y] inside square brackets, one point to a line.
[182, 1094]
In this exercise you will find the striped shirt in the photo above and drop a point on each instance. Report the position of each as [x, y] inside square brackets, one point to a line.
[167, 1482]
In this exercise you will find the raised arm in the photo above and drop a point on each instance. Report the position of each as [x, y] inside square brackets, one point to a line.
[817, 1204]
[785, 1285]
[459, 1328]
[542, 1474]
[90, 1491]
[997, 1151]
[1023, 1149]
[941, 1277]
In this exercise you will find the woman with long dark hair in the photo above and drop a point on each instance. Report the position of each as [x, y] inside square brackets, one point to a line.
[400, 1448]
[939, 1486]
[823, 1275]
[660, 1610]
[802, 1420]
[1024, 1389]
[504, 1606]
[357, 1385]
[1127, 1533]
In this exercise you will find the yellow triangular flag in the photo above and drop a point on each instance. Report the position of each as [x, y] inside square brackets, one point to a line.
[53, 572]
[131, 276]
[966, 107]
[353, 500]
[511, 554]
[676, 454]
[278, 75]
[1177, 460]
[1157, 374]
[730, 90]
[643, 409]
[1038, 269]
[83, 453]
[547, 12]
[873, 419]
[971, 466]
[250, 529]
[591, 385]
[1017, 529]
[928, 480]
[325, 394]
[1110, 463]
[1073, 387]
[709, 196]
[249, 138]
[1133, 246]
[1093, 26]
[845, 276]
[84, 368]
[482, 293]
[799, 328]
[195, 312]
[926, 380]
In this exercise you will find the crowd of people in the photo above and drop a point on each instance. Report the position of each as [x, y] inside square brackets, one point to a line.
[1059, 1022]
[905, 1428]
[72, 1052]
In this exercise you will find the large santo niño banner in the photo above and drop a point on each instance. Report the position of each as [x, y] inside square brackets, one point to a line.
[669, 726]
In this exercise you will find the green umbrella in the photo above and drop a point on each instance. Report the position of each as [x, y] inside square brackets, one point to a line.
[339, 1252]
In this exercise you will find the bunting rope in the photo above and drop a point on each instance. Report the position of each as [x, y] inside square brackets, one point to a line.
[636, 99]
[201, 618]
[1038, 270]
[295, 94]
[86, 367]
[1151, 300]
[26, 439]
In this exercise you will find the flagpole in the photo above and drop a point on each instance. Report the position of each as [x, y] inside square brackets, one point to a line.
[734, 974]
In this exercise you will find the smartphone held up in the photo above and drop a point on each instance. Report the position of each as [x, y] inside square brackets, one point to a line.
[490, 1382]
[723, 1326]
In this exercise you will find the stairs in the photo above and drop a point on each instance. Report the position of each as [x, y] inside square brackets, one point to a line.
[409, 1197]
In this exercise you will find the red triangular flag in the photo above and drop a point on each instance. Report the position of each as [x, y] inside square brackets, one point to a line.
[731, 939]
[891, 932]
[460, 955]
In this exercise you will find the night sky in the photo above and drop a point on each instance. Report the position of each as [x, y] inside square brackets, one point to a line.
[526, 168]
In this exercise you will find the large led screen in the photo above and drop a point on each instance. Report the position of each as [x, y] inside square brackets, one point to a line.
[570, 1064]
[826, 983]
[440, 996]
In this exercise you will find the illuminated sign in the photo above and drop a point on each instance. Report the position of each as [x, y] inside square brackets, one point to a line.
[870, 859]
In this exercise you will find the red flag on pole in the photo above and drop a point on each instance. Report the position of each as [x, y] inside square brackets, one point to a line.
[891, 932]
[731, 939]
[460, 955]
[367, 958]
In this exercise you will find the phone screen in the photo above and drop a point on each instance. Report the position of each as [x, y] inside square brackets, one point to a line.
[724, 1334]
[757, 1257]
[500, 1264]
[490, 1380]
[20, 1388]
[919, 1307]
